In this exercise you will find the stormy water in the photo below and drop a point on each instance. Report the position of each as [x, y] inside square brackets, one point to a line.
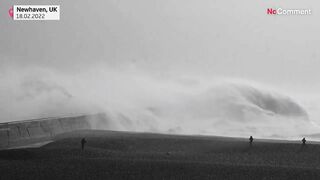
[135, 101]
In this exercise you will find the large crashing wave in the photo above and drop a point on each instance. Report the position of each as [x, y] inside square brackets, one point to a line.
[134, 101]
[271, 102]
[227, 109]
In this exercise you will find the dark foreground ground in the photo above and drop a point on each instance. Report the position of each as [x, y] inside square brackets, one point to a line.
[118, 155]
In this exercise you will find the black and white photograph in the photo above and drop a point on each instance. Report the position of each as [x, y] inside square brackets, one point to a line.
[159, 90]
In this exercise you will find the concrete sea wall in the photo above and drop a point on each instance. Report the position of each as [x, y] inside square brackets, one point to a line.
[21, 133]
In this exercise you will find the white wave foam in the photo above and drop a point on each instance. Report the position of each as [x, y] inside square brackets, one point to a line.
[137, 102]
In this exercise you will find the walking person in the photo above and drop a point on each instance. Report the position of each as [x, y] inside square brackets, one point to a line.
[250, 140]
[83, 142]
[304, 141]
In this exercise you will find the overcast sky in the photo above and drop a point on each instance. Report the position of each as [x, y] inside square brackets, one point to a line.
[227, 38]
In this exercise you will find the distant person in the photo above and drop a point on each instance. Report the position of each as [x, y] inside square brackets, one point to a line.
[250, 140]
[304, 141]
[83, 141]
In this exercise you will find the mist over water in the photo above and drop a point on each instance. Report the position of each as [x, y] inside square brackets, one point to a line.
[134, 101]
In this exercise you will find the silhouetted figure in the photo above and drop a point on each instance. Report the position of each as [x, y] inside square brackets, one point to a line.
[83, 141]
[304, 141]
[250, 140]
